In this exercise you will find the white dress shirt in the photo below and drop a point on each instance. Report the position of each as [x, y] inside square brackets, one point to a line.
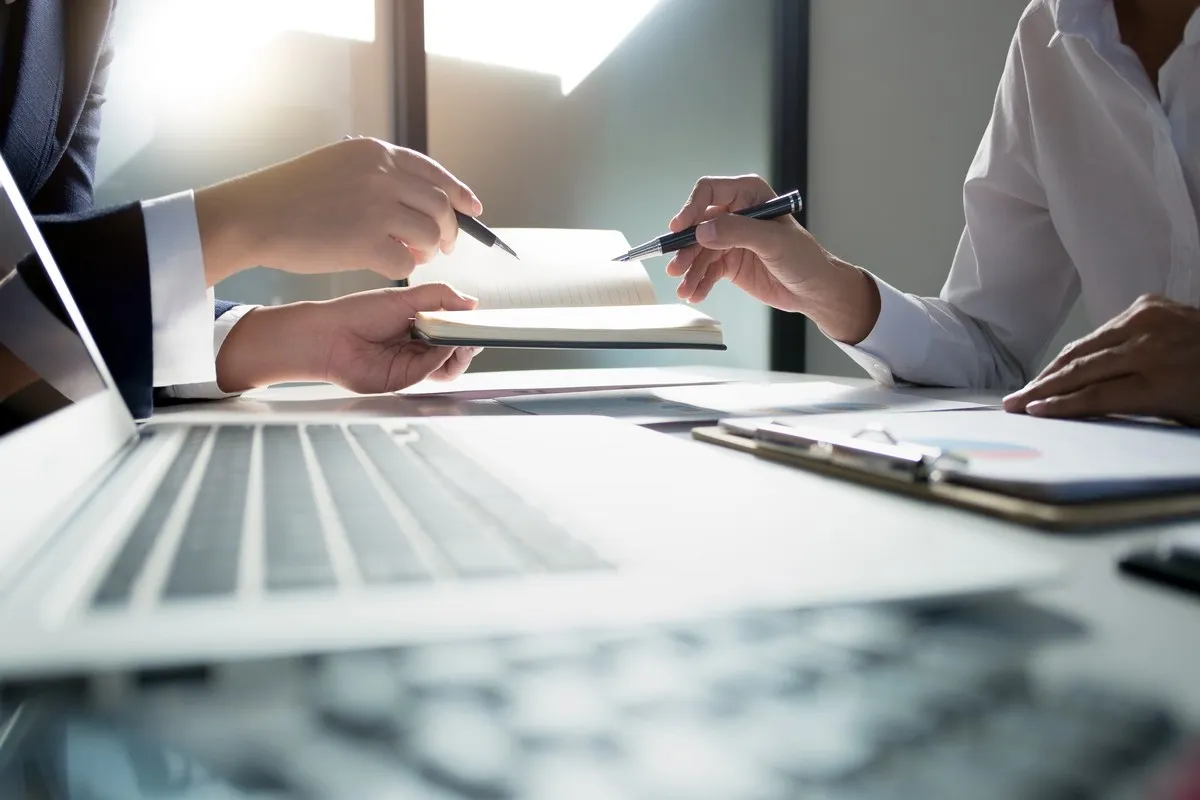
[186, 339]
[1085, 183]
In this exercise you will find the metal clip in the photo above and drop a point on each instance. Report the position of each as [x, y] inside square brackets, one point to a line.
[910, 462]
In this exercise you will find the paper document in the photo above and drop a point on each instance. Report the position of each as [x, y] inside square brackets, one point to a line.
[1051, 459]
[709, 403]
[557, 268]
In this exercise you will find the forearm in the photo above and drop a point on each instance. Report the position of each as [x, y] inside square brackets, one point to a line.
[273, 344]
[227, 236]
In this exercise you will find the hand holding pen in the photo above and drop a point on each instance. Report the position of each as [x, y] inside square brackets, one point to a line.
[425, 200]
[775, 261]
[774, 208]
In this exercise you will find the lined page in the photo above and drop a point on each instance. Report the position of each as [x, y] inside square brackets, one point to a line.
[557, 268]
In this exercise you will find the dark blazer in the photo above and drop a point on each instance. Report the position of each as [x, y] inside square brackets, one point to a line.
[56, 63]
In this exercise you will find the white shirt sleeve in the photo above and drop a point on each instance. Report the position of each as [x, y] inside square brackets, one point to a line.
[1011, 282]
[180, 304]
[208, 390]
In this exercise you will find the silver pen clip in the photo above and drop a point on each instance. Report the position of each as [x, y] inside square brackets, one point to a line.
[872, 449]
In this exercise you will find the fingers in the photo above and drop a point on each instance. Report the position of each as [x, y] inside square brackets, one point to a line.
[1103, 338]
[1146, 311]
[706, 285]
[457, 364]
[420, 233]
[764, 238]
[423, 361]
[460, 195]
[392, 259]
[434, 204]
[1076, 375]
[1128, 394]
[732, 193]
[705, 262]
[434, 297]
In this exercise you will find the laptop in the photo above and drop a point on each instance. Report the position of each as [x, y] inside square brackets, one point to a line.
[232, 536]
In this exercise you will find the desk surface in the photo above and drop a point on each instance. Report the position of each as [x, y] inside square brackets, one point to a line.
[1094, 622]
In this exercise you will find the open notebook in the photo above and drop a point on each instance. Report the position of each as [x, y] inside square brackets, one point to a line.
[563, 292]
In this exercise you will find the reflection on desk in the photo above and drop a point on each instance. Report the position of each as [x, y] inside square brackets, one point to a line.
[839, 703]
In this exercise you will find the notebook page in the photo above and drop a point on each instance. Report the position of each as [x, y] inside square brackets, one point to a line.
[558, 268]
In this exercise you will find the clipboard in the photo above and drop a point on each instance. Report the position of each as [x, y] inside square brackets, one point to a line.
[872, 457]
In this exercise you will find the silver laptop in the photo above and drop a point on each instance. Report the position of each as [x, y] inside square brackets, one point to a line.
[238, 536]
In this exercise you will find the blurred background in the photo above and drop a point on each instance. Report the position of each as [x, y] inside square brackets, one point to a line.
[585, 115]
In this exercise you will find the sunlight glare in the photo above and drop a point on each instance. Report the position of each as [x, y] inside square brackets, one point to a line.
[566, 38]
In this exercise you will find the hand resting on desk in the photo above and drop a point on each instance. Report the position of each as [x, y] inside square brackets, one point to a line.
[1145, 361]
[361, 342]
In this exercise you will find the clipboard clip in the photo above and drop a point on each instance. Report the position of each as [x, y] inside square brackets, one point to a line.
[871, 449]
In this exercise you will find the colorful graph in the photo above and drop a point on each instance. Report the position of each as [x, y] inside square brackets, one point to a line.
[983, 450]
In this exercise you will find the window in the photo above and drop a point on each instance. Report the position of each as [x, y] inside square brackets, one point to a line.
[566, 38]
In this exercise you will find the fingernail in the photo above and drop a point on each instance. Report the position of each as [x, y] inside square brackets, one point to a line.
[476, 205]
[706, 232]
[1037, 408]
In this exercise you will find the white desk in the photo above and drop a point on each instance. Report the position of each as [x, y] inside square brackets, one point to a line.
[1095, 622]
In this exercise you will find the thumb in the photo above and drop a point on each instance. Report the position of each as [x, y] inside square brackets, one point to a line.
[437, 297]
[763, 237]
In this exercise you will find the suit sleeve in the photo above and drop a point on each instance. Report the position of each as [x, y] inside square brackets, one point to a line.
[134, 282]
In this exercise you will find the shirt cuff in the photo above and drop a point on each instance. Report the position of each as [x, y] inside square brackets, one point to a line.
[180, 302]
[893, 346]
[208, 390]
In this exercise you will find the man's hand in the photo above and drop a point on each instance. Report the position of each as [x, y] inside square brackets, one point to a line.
[356, 204]
[776, 261]
[1145, 361]
[362, 342]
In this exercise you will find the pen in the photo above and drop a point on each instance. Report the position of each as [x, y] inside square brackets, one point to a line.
[482, 233]
[789, 203]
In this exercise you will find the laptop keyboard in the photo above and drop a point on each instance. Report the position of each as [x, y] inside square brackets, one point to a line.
[835, 704]
[409, 509]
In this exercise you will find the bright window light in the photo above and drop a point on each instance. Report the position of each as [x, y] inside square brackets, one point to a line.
[566, 38]
[193, 49]
[182, 58]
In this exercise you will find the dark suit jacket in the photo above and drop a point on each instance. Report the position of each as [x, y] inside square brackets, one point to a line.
[56, 62]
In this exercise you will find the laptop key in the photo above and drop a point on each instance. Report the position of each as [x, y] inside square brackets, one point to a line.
[383, 551]
[206, 561]
[117, 587]
[470, 541]
[296, 555]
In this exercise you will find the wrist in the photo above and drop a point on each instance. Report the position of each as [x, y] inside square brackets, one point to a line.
[848, 307]
[273, 344]
[228, 238]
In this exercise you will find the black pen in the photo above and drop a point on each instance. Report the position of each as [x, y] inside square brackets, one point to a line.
[482, 233]
[789, 203]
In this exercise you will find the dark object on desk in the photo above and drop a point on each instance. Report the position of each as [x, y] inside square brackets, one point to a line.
[840, 703]
[785, 204]
[1175, 564]
[482, 233]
